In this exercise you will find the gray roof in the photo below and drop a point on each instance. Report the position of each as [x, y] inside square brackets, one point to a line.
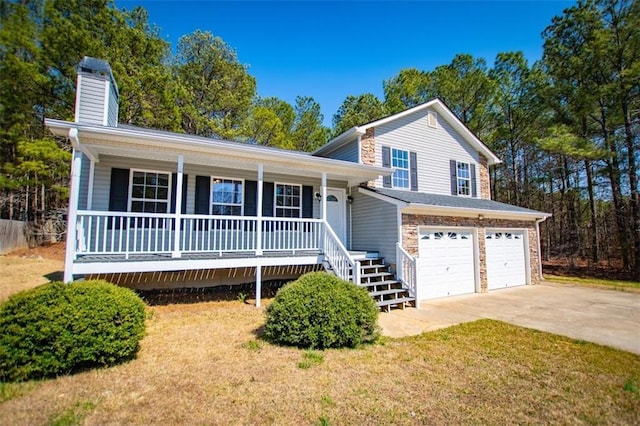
[439, 200]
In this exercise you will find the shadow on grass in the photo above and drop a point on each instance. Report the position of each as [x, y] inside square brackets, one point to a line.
[221, 293]
[55, 276]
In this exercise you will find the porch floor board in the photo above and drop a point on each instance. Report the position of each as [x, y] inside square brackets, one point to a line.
[164, 257]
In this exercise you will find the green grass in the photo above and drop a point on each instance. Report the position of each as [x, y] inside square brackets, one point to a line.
[14, 390]
[633, 286]
[74, 415]
[310, 359]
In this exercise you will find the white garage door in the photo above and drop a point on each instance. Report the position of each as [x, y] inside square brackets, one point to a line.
[505, 259]
[446, 263]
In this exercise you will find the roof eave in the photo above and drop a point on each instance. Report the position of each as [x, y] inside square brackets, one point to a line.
[476, 212]
[339, 140]
[359, 172]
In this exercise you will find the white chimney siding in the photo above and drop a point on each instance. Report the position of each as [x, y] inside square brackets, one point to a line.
[96, 94]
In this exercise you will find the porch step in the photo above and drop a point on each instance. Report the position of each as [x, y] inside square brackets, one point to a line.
[400, 302]
[381, 284]
[383, 293]
[363, 255]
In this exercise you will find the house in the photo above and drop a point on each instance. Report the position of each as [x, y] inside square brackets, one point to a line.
[401, 205]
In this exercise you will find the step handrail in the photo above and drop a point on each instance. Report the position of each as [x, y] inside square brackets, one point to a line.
[406, 273]
[338, 256]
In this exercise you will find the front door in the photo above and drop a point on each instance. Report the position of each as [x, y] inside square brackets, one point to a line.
[336, 212]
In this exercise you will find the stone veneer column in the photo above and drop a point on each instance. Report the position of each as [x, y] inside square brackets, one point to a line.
[485, 186]
[482, 259]
[368, 151]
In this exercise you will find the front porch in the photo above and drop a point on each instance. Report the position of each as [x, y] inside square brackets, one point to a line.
[110, 242]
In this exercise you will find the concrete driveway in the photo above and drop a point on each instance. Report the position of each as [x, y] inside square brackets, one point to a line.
[607, 317]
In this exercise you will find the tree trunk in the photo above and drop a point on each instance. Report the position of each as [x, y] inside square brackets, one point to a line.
[613, 170]
[592, 210]
[633, 184]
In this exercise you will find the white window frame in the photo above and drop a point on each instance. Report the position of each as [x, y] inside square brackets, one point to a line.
[432, 119]
[155, 200]
[400, 169]
[467, 179]
[275, 199]
[211, 203]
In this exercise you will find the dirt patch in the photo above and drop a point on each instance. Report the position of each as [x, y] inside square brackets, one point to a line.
[50, 251]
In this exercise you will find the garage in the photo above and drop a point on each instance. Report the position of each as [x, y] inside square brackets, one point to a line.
[506, 265]
[446, 265]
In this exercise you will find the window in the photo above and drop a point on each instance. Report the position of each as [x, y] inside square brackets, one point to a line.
[226, 196]
[464, 179]
[288, 200]
[150, 191]
[400, 160]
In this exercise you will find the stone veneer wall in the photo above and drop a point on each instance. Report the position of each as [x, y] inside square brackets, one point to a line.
[485, 185]
[368, 151]
[411, 222]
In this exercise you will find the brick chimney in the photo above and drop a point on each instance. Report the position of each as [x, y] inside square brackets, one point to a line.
[96, 93]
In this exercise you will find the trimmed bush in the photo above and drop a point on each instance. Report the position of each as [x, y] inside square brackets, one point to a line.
[62, 328]
[321, 311]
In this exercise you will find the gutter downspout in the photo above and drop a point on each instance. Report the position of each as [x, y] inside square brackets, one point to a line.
[538, 222]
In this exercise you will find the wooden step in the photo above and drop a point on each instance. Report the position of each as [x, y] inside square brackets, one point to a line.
[392, 302]
[376, 275]
[386, 292]
[380, 283]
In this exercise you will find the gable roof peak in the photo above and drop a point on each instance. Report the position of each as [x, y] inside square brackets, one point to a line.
[436, 104]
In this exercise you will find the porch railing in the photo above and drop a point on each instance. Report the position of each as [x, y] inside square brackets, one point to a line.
[153, 233]
[406, 273]
[338, 256]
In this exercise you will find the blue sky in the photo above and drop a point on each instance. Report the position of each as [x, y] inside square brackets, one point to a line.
[332, 49]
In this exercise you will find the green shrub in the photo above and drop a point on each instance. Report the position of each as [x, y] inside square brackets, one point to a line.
[61, 328]
[320, 311]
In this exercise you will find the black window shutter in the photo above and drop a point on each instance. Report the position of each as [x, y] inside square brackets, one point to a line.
[250, 197]
[413, 170]
[183, 203]
[386, 162]
[119, 190]
[307, 201]
[454, 177]
[267, 199]
[472, 170]
[203, 189]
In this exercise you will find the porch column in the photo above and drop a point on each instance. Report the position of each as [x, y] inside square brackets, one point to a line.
[259, 217]
[178, 210]
[323, 191]
[72, 216]
[258, 285]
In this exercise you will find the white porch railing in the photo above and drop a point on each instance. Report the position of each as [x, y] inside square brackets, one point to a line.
[123, 233]
[240, 233]
[152, 233]
[406, 273]
[338, 256]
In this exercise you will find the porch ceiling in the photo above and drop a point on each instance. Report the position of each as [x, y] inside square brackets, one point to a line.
[96, 141]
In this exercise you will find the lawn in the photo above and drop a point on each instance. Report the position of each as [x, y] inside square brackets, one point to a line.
[630, 286]
[204, 363]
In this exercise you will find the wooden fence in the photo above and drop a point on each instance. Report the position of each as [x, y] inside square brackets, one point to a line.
[13, 235]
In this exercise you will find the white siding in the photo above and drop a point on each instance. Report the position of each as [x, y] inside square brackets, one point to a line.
[347, 152]
[434, 147]
[375, 225]
[102, 178]
[91, 100]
